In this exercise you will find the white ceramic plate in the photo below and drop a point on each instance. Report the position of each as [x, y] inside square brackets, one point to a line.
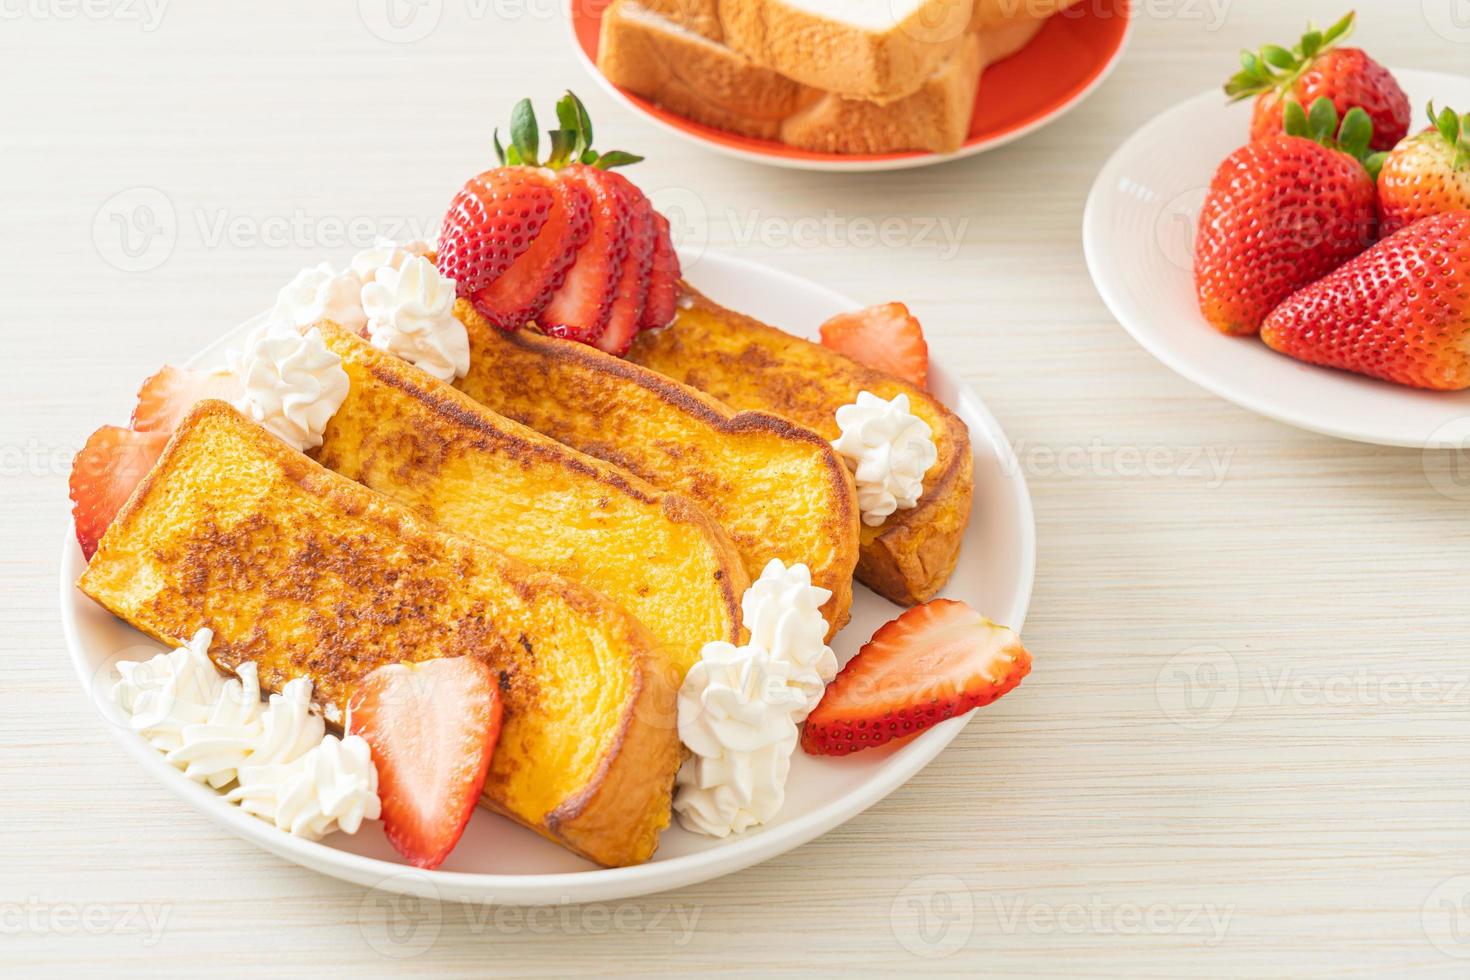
[1138, 234]
[505, 863]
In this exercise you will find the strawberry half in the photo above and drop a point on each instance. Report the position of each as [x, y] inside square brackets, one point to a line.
[887, 338]
[579, 310]
[432, 727]
[104, 475]
[662, 301]
[631, 292]
[934, 662]
[168, 396]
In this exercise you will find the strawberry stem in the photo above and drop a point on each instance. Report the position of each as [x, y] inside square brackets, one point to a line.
[1319, 124]
[571, 142]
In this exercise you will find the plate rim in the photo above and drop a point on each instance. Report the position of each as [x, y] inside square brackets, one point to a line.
[1121, 307]
[856, 163]
[598, 884]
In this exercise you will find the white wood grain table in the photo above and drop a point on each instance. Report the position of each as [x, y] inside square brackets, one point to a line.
[1244, 748]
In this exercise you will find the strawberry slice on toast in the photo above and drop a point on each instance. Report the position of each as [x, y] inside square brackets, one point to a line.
[432, 727]
[631, 291]
[491, 223]
[934, 662]
[579, 310]
[168, 396]
[663, 280]
[886, 337]
[515, 297]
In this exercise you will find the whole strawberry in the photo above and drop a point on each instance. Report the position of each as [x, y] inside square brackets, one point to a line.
[1427, 174]
[1316, 68]
[1400, 311]
[1281, 213]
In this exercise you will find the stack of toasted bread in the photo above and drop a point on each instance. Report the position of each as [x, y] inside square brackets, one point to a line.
[834, 76]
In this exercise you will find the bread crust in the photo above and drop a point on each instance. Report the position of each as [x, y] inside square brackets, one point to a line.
[306, 573]
[748, 364]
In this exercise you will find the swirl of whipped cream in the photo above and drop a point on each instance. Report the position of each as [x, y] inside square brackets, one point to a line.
[410, 313]
[783, 612]
[288, 728]
[316, 293]
[735, 715]
[387, 254]
[334, 785]
[293, 384]
[889, 450]
[204, 724]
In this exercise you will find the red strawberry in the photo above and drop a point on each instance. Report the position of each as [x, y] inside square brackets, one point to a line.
[1316, 69]
[1400, 311]
[663, 287]
[1426, 175]
[631, 292]
[491, 222]
[580, 308]
[169, 395]
[513, 298]
[885, 337]
[1281, 213]
[104, 475]
[432, 727]
[934, 662]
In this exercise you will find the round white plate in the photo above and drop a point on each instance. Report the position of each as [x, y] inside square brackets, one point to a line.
[1138, 233]
[500, 861]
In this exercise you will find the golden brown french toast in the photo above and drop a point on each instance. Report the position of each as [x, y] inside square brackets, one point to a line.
[777, 488]
[749, 365]
[303, 572]
[455, 462]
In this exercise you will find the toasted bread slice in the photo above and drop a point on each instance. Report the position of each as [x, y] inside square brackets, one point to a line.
[749, 365]
[777, 488]
[688, 73]
[473, 472]
[306, 573]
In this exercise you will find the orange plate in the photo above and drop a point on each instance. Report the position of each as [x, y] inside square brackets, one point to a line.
[1072, 55]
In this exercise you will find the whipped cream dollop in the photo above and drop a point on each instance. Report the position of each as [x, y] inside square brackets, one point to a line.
[285, 768]
[735, 715]
[783, 612]
[293, 383]
[320, 292]
[888, 449]
[410, 311]
[387, 254]
[739, 707]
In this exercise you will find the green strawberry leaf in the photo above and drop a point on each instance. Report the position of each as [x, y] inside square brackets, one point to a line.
[499, 150]
[1356, 132]
[525, 135]
[615, 158]
[1311, 44]
[1341, 29]
[1322, 120]
[1278, 57]
[1294, 118]
[1374, 162]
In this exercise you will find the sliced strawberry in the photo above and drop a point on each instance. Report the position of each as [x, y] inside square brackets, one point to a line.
[169, 395]
[103, 476]
[663, 282]
[491, 222]
[632, 289]
[432, 727]
[885, 337]
[934, 662]
[580, 308]
[514, 297]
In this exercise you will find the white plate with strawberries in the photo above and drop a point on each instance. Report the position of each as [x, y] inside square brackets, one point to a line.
[1349, 311]
[500, 861]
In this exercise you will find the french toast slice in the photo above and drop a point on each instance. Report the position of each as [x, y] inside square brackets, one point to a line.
[749, 365]
[777, 488]
[303, 572]
[455, 462]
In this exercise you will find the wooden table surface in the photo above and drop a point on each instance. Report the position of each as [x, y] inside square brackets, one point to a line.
[1244, 748]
